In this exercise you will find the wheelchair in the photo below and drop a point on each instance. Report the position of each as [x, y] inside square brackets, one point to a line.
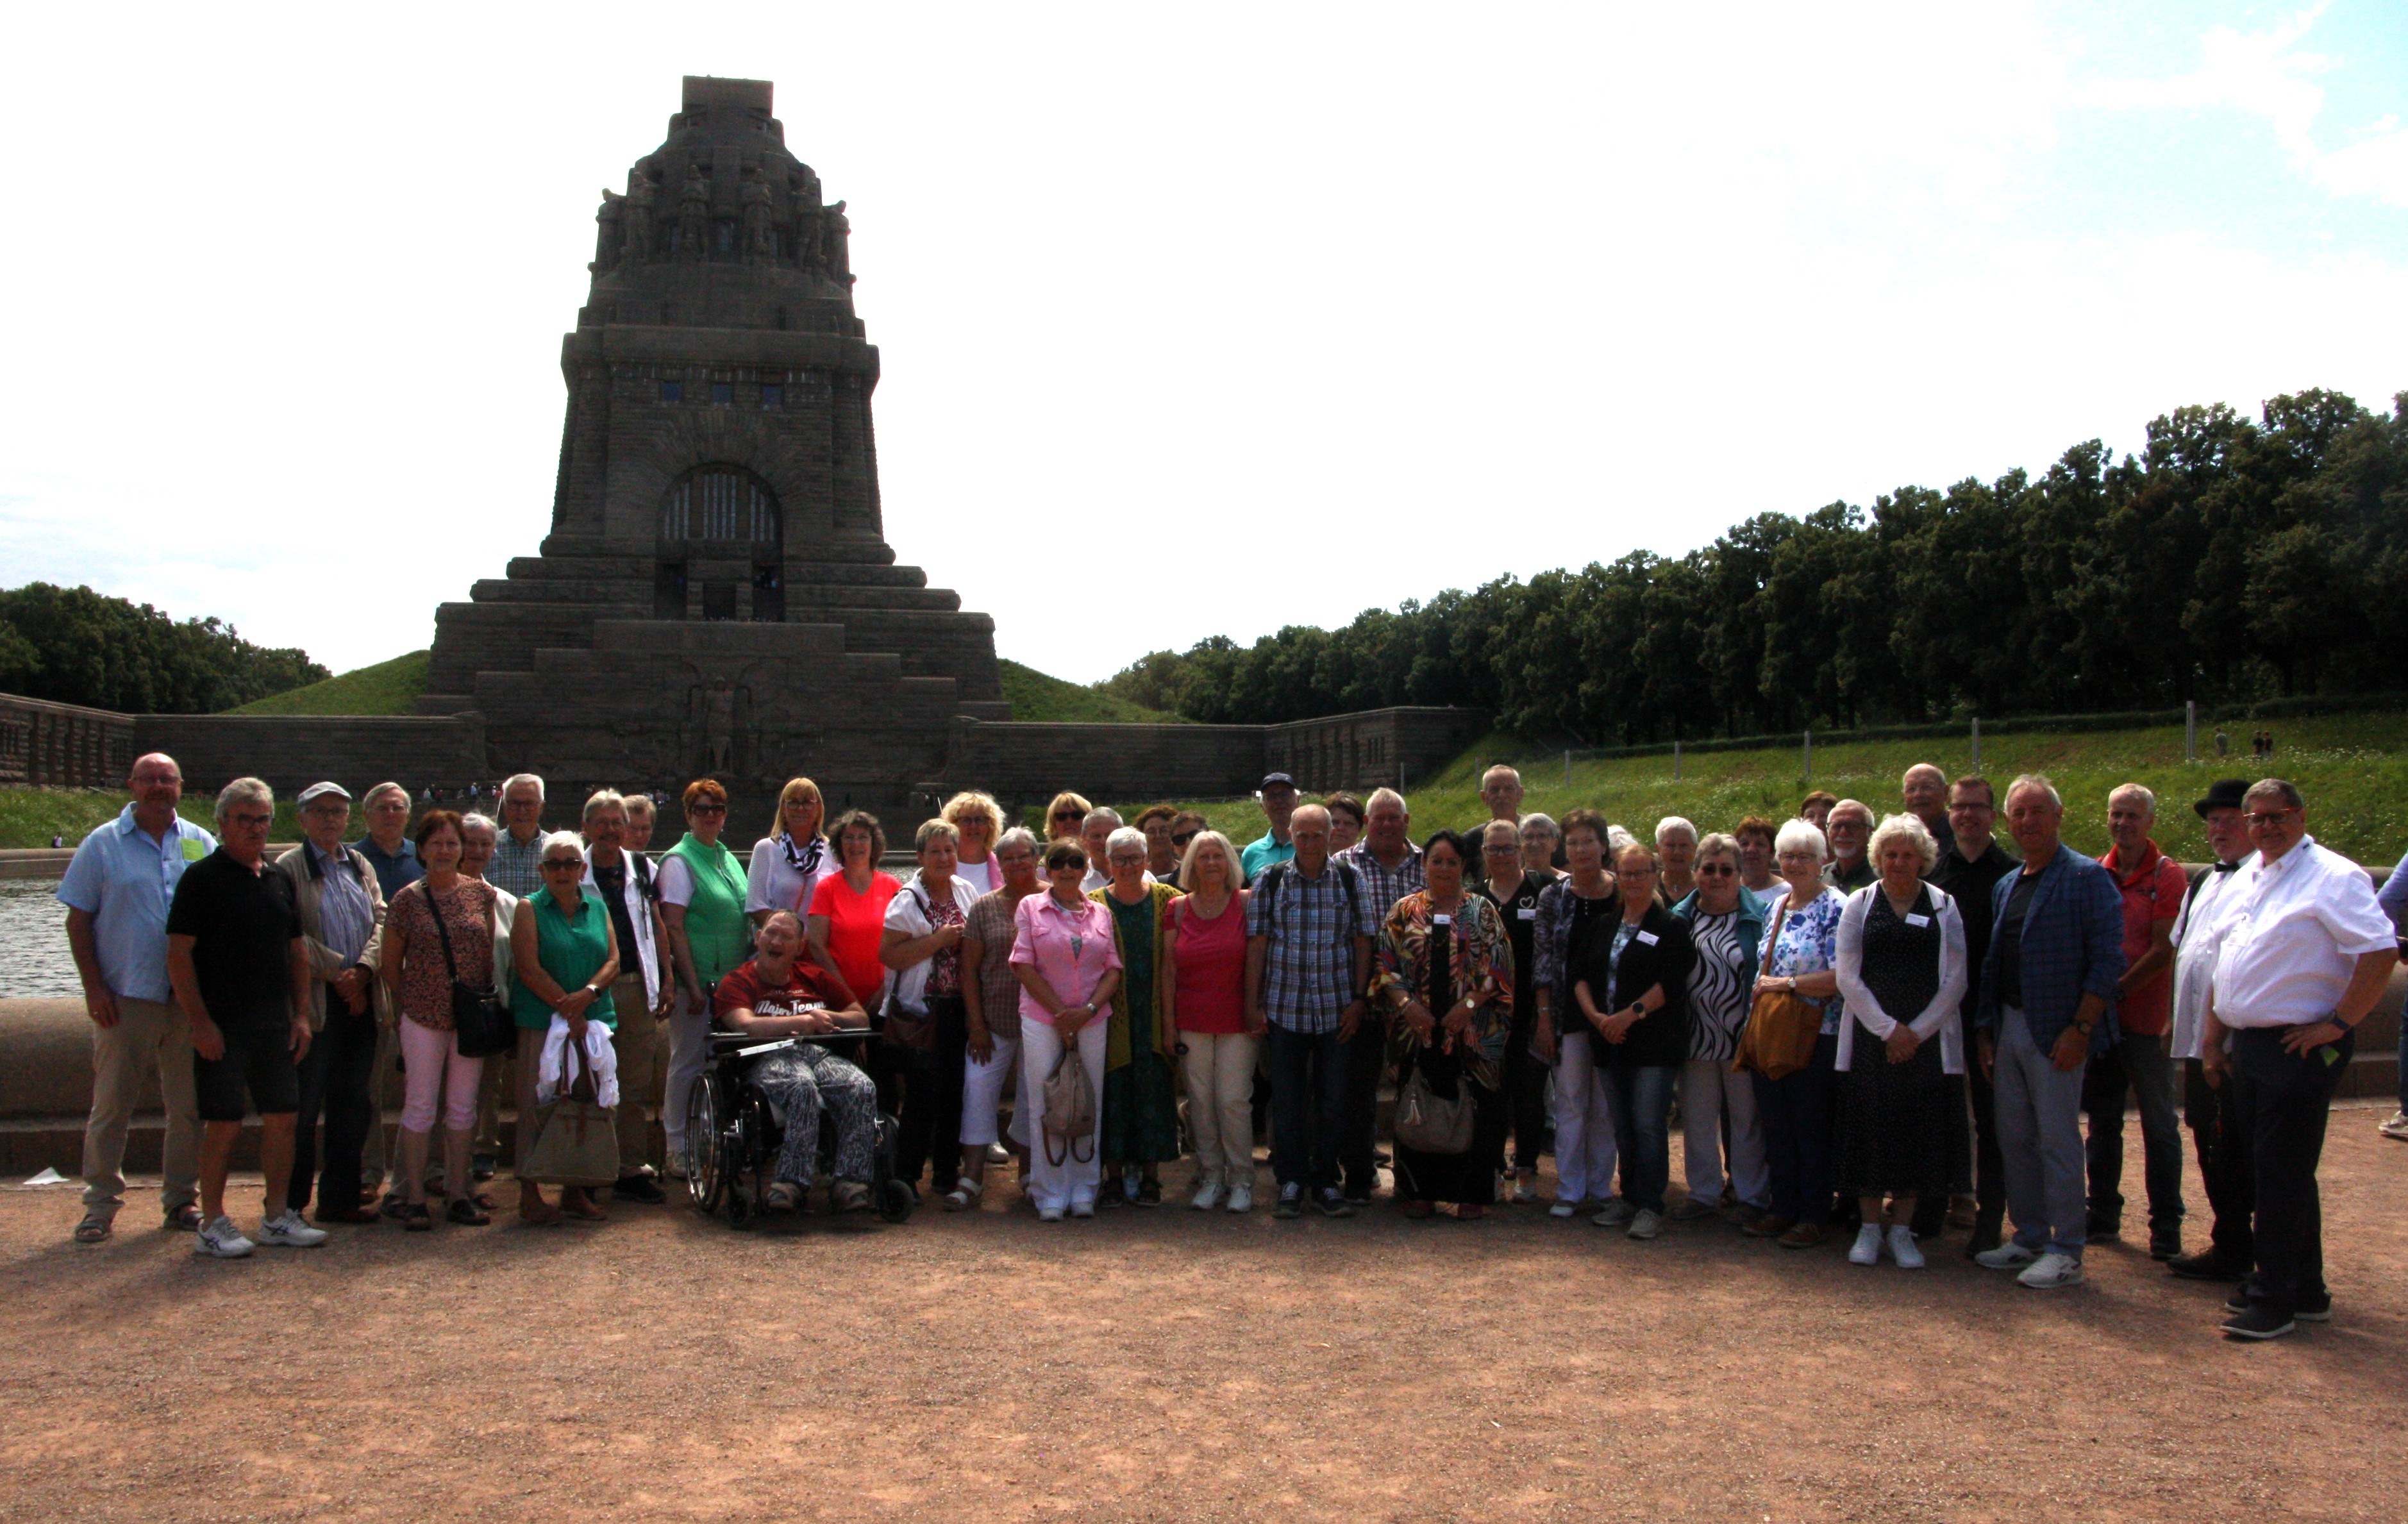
[733, 1131]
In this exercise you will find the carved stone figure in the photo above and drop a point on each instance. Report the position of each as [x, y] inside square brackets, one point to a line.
[719, 728]
[836, 232]
[635, 217]
[607, 231]
[693, 213]
[760, 235]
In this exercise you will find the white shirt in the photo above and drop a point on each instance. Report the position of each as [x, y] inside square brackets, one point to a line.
[1940, 1016]
[2290, 937]
[986, 877]
[772, 882]
[903, 914]
[2195, 957]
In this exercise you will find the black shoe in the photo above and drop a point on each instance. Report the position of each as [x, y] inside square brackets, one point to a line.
[394, 1205]
[1988, 1234]
[2258, 1323]
[1290, 1200]
[2103, 1230]
[2165, 1243]
[2316, 1309]
[1334, 1203]
[481, 1167]
[1358, 1195]
[467, 1214]
[2206, 1265]
[1149, 1192]
[637, 1188]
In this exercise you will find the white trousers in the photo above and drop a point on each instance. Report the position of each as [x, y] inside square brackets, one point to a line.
[1708, 1090]
[983, 1097]
[1072, 1181]
[1220, 1071]
[1584, 1150]
[689, 1056]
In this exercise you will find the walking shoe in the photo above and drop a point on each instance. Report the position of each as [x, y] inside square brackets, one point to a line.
[394, 1205]
[1334, 1202]
[95, 1227]
[2258, 1323]
[2103, 1230]
[1963, 1212]
[1241, 1197]
[2310, 1310]
[1207, 1196]
[221, 1239]
[1563, 1209]
[2007, 1256]
[1049, 1214]
[2052, 1272]
[998, 1154]
[2209, 1264]
[1646, 1225]
[2396, 1127]
[482, 1167]
[1693, 1209]
[1525, 1188]
[1082, 1208]
[677, 1161]
[1802, 1235]
[1291, 1199]
[184, 1218]
[1866, 1250]
[2165, 1243]
[1770, 1225]
[286, 1231]
[637, 1187]
[1615, 1213]
[1902, 1250]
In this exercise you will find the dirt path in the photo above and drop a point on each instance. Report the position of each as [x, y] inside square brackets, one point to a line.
[1167, 1364]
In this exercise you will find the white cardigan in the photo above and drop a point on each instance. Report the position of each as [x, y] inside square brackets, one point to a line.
[1938, 1018]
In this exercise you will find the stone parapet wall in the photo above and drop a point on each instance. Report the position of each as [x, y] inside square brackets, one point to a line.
[292, 751]
[63, 745]
[1373, 747]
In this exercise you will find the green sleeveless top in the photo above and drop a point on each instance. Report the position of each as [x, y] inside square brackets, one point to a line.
[715, 924]
[572, 949]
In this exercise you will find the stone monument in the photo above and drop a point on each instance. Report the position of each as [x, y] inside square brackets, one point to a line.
[716, 596]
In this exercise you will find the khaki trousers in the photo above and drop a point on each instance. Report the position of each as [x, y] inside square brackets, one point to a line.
[641, 1046]
[148, 1037]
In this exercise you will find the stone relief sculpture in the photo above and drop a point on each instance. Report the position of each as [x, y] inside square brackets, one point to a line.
[715, 715]
[607, 231]
[693, 213]
[760, 236]
[836, 232]
[635, 217]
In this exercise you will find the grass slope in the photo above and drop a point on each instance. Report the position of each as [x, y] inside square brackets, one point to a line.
[389, 687]
[1037, 696]
[28, 817]
[2353, 768]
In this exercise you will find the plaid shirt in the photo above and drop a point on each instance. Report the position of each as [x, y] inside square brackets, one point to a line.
[516, 870]
[1385, 887]
[2072, 946]
[1309, 967]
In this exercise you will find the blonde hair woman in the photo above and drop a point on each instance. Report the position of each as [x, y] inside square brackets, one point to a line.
[788, 863]
[1204, 1010]
[980, 821]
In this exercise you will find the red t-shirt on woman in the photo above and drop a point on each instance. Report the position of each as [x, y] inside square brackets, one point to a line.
[857, 922]
[1211, 989]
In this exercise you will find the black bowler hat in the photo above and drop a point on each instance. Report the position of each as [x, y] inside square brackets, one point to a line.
[2223, 794]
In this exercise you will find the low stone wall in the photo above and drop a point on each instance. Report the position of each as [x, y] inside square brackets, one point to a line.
[63, 745]
[294, 750]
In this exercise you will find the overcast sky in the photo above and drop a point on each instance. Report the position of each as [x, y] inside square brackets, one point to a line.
[1193, 320]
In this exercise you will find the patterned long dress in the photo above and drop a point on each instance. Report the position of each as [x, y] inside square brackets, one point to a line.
[1421, 958]
[1140, 1118]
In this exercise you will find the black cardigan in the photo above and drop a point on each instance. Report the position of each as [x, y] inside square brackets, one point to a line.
[1660, 1038]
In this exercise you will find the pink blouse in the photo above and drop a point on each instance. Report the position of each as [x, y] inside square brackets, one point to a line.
[1072, 948]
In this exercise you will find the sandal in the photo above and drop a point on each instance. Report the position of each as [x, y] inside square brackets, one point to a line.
[182, 1219]
[93, 1229]
[1149, 1192]
[467, 1213]
[784, 1196]
[417, 1218]
[576, 1203]
[965, 1195]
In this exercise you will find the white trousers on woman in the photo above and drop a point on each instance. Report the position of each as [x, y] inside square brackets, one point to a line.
[689, 1056]
[1072, 1181]
[983, 1097]
[1709, 1087]
[1583, 1121]
[1220, 1071]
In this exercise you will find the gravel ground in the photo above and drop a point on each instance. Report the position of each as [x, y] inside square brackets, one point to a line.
[1166, 1365]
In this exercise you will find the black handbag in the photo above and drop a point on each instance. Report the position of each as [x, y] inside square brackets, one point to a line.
[481, 1022]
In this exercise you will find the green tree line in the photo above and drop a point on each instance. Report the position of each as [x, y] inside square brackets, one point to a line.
[2229, 560]
[72, 645]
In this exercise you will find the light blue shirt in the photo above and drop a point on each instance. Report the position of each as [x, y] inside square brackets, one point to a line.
[346, 916]
[1263, 852]
[123, 880]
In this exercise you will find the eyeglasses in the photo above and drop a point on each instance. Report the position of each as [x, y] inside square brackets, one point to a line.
[1510, 849]
[1713, 870]
[1641, 871]
[563, 864]
[246, 818]
[2266, 819]
[706, 809]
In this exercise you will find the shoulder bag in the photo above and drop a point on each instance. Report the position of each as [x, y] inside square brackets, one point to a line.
[1778, 1039]
[910, 1037]
[482, 1024]
[1070, 1110]
[577, 1142]
[1427, 1122]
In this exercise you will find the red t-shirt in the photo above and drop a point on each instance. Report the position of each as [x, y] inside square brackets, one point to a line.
[2153, 892]
[808, 985]
[1212, 967]
[856, 925]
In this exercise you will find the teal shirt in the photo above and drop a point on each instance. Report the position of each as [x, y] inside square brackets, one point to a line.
[572, 949]
[1261, 854]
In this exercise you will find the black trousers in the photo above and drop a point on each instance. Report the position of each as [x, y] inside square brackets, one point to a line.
[336, 1077]
[1526, 1082]
[1365, 1059]
[2284, 1099]
[928, 1129]
[2221, 1140]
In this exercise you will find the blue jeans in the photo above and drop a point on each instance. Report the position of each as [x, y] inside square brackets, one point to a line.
[1795, 1112]
[1643, 1128]
[1308, 1105]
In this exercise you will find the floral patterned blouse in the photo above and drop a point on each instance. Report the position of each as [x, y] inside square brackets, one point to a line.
[1483, 964]
[426, 982]
[1798, 942]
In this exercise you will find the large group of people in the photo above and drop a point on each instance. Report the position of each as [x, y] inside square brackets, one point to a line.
[1882, 1025]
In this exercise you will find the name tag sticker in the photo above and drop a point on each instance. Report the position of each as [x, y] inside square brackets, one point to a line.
[1442, 920]
[193, 851]
[1918, 920]
[1647, 939]
[1528, 913]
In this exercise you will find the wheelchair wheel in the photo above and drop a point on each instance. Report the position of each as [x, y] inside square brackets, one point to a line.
[896, 1200]
[705, 1181]
[737, 1142]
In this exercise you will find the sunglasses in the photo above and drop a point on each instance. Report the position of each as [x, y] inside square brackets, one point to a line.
[1713, 870]
[706, 810]
[1070, 814]
[1181, 838]
[563, 864]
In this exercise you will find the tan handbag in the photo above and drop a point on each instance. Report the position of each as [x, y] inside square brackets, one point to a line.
[1782, 1027]
[1070, 1110]
[579, 1143]
[1429, 1124]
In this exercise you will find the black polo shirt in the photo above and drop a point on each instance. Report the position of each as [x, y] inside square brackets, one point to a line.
[1971, 881]
[242, 924]
[1521, 915]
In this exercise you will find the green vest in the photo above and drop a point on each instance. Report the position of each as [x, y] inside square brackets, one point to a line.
[715, 924]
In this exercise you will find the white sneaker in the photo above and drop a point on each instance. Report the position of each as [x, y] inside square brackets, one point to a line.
[1564, 1209]
[998, 1154]
[286, 1231]
[677, 1158]
[1241, 1198]
[1866, 1250]
[1082, 1208]
[1049, 1214]
[2051, 1271]
[2008, 1255]
[1646, 1224]
[1902, 1247]
[1615, 1213]
[1207, 1196]
[2396, 1127]
[221, 1239]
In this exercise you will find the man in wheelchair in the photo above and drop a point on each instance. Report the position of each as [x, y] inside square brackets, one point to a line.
[780, 994]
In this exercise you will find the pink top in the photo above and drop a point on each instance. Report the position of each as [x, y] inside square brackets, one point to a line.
[1212, 967]
[857, 922]
[1072, 948]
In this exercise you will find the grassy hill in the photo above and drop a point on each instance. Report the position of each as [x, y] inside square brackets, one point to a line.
[1037, 696]
[389, 687]
[2353, 768]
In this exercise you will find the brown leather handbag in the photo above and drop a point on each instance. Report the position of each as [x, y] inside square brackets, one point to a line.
[1779, 1040]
